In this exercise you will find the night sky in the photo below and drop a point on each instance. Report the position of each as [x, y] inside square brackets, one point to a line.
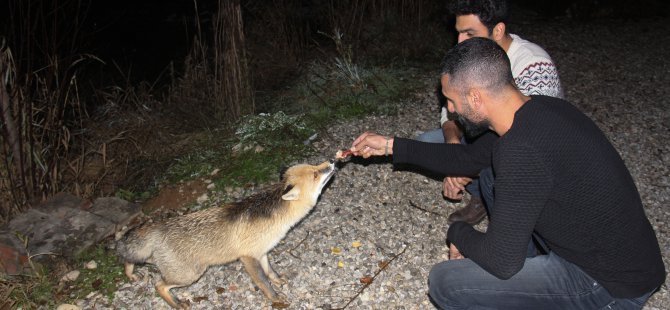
[144, 34]
[147, 35]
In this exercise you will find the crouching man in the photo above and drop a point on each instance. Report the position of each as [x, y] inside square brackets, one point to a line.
[557, 179]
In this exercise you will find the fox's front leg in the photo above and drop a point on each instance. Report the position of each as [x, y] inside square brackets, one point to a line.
[274, 277]
[128, 268]
[255, 270]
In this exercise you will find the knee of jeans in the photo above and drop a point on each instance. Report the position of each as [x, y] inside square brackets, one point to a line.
[440, 284]
[424, 137]
[431, 136]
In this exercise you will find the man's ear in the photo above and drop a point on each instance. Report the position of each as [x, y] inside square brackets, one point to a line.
[474, 97]
[498, 32]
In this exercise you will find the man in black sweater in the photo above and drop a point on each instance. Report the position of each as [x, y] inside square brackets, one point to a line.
[556, 176]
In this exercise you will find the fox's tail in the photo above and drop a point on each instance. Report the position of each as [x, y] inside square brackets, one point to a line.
[134, 247]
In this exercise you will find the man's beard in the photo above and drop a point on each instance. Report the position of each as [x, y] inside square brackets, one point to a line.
[472, 129]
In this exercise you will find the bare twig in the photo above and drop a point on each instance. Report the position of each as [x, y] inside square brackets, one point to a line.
[424, 210]
[372, 280]
[290, 252]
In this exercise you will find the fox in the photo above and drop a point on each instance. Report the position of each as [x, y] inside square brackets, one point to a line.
[183, 247]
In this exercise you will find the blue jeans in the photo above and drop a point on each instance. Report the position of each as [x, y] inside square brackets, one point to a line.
[437, 136]
[544, 282]
[432, 136]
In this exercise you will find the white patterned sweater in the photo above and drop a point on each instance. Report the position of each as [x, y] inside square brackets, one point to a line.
[533, 70]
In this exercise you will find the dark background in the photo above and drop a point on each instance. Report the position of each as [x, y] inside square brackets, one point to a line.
[149, 34]
[144, 38]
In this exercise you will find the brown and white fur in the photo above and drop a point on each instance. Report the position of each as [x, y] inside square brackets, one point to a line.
[183, 247]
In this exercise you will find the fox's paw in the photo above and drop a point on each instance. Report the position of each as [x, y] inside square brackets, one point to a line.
[138, 276]
[280, 301]
[129, 271]
[185, 305]
[134, 277]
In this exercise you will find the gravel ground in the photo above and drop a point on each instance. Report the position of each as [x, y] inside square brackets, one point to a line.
[615, 71]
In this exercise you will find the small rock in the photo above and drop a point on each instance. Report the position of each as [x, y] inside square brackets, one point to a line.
[211, 186]
[68, 307]
[215, 172]
[91, 265]
[91, 295]
[70, 276]
[202, 198]
[119, 234]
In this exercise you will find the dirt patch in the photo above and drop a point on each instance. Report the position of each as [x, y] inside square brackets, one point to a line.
[176, 196]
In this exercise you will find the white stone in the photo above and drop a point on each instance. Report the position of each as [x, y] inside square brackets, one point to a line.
[70, 276]
[202, 198]
[91, 265]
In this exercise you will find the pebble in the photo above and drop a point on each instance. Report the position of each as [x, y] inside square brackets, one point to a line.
[70, 276]
[202, 198]
[91, 265]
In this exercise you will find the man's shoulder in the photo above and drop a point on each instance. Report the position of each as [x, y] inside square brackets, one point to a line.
[533, 121]
[524, 49]
[533, 70]
[543, 104]
[542, 111]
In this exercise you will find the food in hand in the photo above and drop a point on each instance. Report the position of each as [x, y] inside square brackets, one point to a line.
[342, 154]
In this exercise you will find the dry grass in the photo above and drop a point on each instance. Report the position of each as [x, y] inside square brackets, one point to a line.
[216, 80]
[40, 99]
[42, 115]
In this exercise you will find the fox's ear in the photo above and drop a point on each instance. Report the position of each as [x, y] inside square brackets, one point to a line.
[291, 193]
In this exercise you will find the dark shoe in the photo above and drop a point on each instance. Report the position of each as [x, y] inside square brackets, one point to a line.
[473, 213]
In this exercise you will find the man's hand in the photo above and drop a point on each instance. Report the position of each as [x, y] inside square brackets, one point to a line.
[454, 253]
[371, 144]
[453, 187]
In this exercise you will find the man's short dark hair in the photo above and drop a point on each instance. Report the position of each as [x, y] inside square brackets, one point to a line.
[490, 12]
[478, 62]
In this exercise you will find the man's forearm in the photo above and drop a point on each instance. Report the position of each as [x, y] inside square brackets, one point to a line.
[443, 158]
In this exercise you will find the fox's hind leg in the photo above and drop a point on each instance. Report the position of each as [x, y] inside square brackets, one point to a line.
[269, 271]
[255, 270]
[176, 274]
[163, 290]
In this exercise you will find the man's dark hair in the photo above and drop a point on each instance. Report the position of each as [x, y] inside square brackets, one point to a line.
[479, 62]
[490, 12]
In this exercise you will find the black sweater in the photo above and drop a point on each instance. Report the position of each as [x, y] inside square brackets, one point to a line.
[558, 175]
